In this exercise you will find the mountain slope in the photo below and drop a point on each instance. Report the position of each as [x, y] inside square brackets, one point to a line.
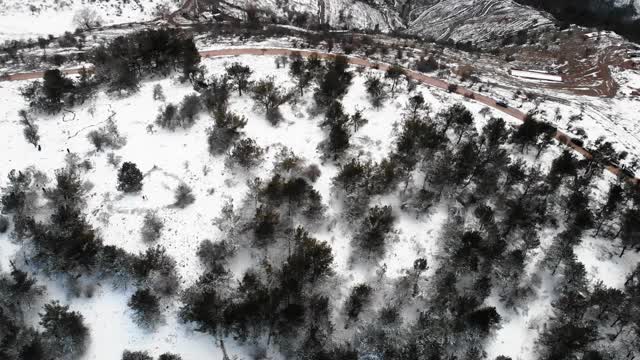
[482, 22]
[479, 21]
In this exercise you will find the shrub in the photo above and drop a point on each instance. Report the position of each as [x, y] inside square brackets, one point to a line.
[168, 117]
[215, 255]
[136, 355]
[358, 299]
[427, 64]
[156, 270]
[129, 178]
[270, 96]
[183, 196]
[30, 128]
[152, 227]
[4, 224]
[215, 94]
[312, 172]
[374, 229]
[169, 356]
[226, 131]
[114, 159]
[158, 93]
[146, 308]
[172, 116]
[107, 137]
[189, 108]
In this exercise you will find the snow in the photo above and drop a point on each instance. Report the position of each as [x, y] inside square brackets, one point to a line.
[35, 18]
[536, 75]
[337, 13]
[476, 21]
[169, 158]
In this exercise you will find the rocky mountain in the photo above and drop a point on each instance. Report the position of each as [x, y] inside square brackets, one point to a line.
[482, 22]
[479, 21]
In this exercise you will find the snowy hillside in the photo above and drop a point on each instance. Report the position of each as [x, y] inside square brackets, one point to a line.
[423, 230]
[337, 13]
[479, 21]
[36, 18]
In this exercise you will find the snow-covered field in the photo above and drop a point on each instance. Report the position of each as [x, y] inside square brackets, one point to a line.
[168, 158]
[36, 18]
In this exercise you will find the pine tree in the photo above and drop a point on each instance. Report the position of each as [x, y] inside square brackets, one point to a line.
[394, 73]
[357, 301]
[146, 308]
[630, 230]
[129, 178]
[240, 76]
[66, 329]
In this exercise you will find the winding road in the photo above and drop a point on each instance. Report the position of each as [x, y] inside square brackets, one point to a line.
[415, 75]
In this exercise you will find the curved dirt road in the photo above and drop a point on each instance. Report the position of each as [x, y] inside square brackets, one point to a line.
[420, 77]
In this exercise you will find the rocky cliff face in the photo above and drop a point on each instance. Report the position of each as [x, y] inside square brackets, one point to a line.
[482, 22]
[479, 21]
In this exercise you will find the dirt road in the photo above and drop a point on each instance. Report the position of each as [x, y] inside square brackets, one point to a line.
[420, 77]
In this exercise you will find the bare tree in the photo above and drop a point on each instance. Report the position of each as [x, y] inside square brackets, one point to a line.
[87, 19]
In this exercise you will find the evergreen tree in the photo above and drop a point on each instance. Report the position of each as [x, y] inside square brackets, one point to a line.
[246, 153]
[65, 329]
[228, 128]
[614, 200]
[394, 73]
[630, 230]
[55, 86]
[270, 96]
[146, 308]
[335, 82]
[374, 230]
[298, 69]
[129, 178]
[375, 89]
[358, 299]
[240, 75]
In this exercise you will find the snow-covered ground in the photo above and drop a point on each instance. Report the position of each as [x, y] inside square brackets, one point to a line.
[168, 158]
[36, 18]
[535, 75]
